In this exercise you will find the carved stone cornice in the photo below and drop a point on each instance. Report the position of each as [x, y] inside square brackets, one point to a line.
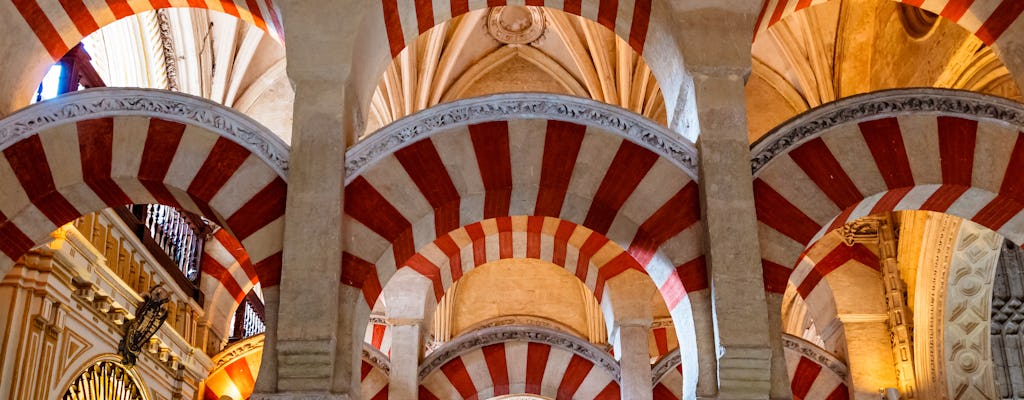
[888, 103]
[509, 106]
[512, 333]
[177, 107]
[238, 350]
[816, 354]
[665, 364]
[377, 359]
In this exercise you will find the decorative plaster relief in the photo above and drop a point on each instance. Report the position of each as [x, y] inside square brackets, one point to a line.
[967, 336]
[110, 102]
[506, 106]
[813, 123]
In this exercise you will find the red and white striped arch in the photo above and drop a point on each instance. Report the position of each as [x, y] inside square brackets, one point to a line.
[378, 336]
[519, 366]
[813, 372]
[512, 160]
[440, 186]
[73, 156]
[59, 25]
[373, 374]
[940, 157]
[590, 256]
[668, 377]
[986, 19]
[227, 275]
[405, 20]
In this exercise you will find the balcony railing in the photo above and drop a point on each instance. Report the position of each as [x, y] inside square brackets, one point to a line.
[250, 319]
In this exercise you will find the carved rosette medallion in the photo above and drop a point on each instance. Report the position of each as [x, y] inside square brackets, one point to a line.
[515, 24]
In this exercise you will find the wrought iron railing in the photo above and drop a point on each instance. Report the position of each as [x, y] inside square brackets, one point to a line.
[250, 319]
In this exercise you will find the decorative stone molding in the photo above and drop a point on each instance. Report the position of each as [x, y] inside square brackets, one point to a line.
[524, 320]
[968, 309]
[238, 350]
[888, 103]
[501, 334]
[183, 108]
[508, 106]
[377, 359]
[815, 353]
[664, 365]
[170, 56]
[515, 24]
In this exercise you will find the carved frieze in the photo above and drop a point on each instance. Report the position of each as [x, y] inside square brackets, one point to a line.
[501, 334]
[813, 123]
[498, 107]
[112, 102]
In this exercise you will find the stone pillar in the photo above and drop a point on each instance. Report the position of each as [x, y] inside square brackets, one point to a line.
[635, 363]
[406, 352]
[266, 380]
[869, 354]
[718, 100]
[316, 355]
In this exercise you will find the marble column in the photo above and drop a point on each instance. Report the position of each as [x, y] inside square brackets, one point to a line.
[636, 360]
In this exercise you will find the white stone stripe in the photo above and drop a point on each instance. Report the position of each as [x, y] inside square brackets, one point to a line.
[265, 242]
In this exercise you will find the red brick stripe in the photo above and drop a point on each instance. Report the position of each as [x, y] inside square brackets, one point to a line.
[561, 148]
[362, 274]
[627, 169]
[28, 161]
[956, 149]
[162, 140]
[536, 362]
[423, 164]
[575, 373]
[493, 157]
[806, 372]
[13, 242]
[80, 16]
[641, 22]
[96, 144]
[678, 213]
[365, 204]
[263, 208]
[497, 366]
[43, 28]
[885, 141]
[817, 161]
[219, 272]
[456, 372]
[779, 214]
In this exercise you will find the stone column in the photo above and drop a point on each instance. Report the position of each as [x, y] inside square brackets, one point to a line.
[636, 360]
[315, 353]
[410, 303]
[716, 96]
[869, 354]
[406, 352]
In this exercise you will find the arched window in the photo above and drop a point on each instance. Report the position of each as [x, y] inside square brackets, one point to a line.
[105, 380]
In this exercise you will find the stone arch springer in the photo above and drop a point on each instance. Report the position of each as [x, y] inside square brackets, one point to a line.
[62, 161]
